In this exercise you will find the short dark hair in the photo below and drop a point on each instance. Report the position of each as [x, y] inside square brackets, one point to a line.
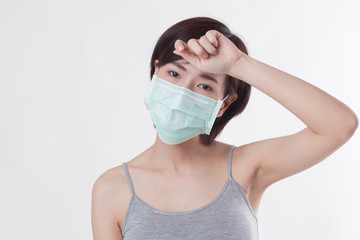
[195, 28]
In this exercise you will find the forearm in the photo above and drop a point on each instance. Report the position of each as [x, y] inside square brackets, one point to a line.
[322, 113]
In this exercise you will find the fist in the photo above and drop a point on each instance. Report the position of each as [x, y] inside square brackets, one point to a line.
[212, 52]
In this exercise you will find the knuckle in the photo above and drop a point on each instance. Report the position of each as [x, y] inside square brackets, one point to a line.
[176, 43]
[213, 51]
[211, 32]
[192, 41]
[179, 43]
[203, 39]
[211, 37]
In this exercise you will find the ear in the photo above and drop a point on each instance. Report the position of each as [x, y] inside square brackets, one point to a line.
[226, 104]
[155, 65]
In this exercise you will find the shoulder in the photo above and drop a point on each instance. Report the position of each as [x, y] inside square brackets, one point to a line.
[108, 194]
[110, 197]
[114, 181]
[246, 154]
[109, 180]
[245, 165]
[110, 190]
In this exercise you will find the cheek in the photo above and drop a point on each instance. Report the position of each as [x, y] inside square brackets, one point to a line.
[165, 76]
[161, 73]
[221, 91]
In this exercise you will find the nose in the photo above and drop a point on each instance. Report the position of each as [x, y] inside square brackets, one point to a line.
[188, 83]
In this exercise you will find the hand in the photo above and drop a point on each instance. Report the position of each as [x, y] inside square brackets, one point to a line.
[211, 53]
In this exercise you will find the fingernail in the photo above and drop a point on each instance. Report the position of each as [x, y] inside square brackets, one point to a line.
[205, 55]
[181, 47]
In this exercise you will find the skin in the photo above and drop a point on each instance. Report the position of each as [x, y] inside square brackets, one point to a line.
[175, 178]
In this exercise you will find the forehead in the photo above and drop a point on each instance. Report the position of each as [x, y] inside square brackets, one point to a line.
[191, 69]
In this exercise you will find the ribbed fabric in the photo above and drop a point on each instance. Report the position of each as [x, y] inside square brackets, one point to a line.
[228, 216]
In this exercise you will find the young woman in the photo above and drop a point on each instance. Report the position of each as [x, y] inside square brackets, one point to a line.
[187, 185]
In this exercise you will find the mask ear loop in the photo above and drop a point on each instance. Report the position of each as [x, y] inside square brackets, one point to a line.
[225, 98]
[223, 102]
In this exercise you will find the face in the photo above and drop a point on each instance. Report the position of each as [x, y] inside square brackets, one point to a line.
[183, 74]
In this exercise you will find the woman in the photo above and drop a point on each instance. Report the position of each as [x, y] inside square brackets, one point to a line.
[187, 185]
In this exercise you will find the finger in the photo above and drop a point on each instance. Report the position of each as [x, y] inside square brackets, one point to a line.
[207, 45]
[213, 37]
[183, 50]
[197, 48]
[180, 45]
[188, 56]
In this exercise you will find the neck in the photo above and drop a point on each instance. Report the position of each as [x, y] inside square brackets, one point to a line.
[180, 159]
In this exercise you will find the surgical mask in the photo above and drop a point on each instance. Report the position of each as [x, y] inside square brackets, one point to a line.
[178, 113]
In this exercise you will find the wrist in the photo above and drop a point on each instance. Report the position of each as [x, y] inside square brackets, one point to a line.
[238, 68]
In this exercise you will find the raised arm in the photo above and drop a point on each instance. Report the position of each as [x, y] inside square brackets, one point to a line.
[330, 123]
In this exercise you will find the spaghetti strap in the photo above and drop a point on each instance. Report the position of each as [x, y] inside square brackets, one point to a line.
[229, 160]
[128, 178]
[228, 214]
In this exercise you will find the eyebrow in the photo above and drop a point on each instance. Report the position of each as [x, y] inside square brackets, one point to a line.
[205, 76]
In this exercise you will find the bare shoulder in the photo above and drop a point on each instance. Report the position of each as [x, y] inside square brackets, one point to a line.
[110, 194]
[112, 185]
[245, 162]
[110, 180]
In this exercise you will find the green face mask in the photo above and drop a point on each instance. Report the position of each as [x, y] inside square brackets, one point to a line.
[178, 113]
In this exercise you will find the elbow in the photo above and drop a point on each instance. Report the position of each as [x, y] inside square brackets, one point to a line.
[350, 126]
[354, 124]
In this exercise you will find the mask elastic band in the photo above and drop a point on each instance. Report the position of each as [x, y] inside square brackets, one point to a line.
[225, 97]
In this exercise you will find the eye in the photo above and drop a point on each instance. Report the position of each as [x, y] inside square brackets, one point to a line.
[174, 74]
[205, 87]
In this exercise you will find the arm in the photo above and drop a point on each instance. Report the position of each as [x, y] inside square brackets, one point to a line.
[104, 223]
[330, 123]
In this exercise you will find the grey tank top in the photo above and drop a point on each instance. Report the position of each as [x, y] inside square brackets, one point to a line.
[228, 216]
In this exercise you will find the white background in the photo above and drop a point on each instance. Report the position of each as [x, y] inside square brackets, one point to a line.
[73, 75]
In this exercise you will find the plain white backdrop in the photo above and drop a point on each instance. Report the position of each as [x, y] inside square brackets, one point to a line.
[73, 75]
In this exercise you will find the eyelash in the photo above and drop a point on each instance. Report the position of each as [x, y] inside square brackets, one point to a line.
[207, 88]
[170, 72]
